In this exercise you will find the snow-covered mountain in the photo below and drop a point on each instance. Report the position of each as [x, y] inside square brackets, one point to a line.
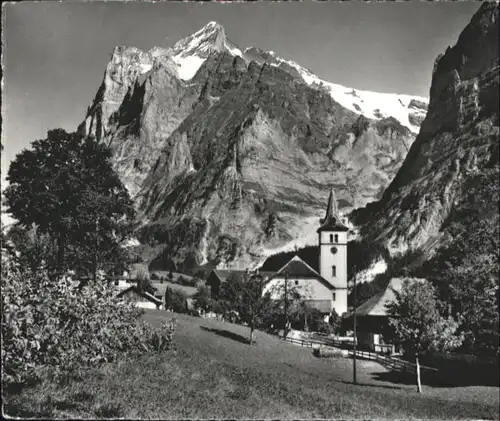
[190, 53]
[230, 154]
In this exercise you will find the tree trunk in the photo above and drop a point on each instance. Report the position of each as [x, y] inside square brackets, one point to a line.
[251, 335]
[419, 385]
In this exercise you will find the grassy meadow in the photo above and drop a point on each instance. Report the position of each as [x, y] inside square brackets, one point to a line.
[216, 374]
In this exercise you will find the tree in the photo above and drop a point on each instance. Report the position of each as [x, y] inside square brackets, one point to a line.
[144, 282]
[287, 308]
[175, 300]
[66, 186]
[245, 295]
[202, 298]
[417, 323]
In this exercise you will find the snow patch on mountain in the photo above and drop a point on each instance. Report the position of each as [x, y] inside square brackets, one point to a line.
[374, 105]
[145, 67]
[188, 66]
[233, 50]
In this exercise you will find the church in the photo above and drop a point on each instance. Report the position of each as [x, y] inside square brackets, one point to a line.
[325, 289]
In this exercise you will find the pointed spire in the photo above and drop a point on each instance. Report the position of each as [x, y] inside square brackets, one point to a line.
[332, 219]
[331, 209]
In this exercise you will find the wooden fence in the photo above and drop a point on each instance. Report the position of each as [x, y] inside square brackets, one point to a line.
[386, 361]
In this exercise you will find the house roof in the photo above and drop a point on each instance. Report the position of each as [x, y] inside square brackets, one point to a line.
[160, 288]
[144, 294]
[377, 305]
[296, 267]
[224, 274]
[332, 221]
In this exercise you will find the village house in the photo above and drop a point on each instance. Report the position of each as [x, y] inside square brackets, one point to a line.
[372, 317]
[142, 299]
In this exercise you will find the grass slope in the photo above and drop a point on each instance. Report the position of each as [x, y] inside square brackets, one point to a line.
[215, 374]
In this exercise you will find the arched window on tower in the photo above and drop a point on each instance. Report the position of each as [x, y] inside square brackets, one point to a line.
[334, 271]
[336, 238]
[331, 238]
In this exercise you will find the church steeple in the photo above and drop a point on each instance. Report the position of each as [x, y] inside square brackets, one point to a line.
[332, 221]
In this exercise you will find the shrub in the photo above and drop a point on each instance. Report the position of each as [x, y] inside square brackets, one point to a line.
[326, 352]
[49, 323]
[188, 282]
[175, 300]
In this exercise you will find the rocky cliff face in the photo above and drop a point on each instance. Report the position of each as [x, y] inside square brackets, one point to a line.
[229, 154]
[458, 141]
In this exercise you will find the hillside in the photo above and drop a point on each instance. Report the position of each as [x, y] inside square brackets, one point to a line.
[230, 154]
[215, 374]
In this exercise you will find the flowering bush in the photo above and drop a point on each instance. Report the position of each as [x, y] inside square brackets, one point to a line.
[49, 322]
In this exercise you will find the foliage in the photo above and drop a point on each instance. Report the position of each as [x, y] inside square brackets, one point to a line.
[144, 282]
[175, 300]
[417, 323]
[188, 282]
[245, 295]
[202, 298]
[66, 186]
[286, 310]
[466, 271]
[275, 262]
[33, 248]
[49, 322]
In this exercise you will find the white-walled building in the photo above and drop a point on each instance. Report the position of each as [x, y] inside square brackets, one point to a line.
[325, 290]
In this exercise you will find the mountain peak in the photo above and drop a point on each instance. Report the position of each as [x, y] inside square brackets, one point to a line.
[204, 41]
[190, 52]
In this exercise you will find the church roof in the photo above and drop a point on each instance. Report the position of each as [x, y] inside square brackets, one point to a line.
[377, 305]
[332, 221]
[296, 267]
[224, 274]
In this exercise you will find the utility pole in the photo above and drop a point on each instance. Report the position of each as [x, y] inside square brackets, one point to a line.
[95, 248]
[354, 329]
[286, 306]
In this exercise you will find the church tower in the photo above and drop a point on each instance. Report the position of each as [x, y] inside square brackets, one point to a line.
[332, 236]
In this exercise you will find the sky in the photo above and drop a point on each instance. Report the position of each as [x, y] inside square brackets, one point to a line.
[55, 53]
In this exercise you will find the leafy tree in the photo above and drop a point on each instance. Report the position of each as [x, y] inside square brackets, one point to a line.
[287, 308]
[418, 325]
[245, 295]
[202, 298]
[33, 249]
[466, 271]
[144, 282]
[66, 186]
[175, 300]
[50, 323]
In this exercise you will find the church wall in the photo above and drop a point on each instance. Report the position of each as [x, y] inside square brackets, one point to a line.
[309, 288]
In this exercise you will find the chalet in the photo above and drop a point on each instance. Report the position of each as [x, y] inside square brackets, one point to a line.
[142, 298]
[372, 317]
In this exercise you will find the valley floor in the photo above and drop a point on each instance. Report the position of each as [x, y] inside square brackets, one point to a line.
[216, 374]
